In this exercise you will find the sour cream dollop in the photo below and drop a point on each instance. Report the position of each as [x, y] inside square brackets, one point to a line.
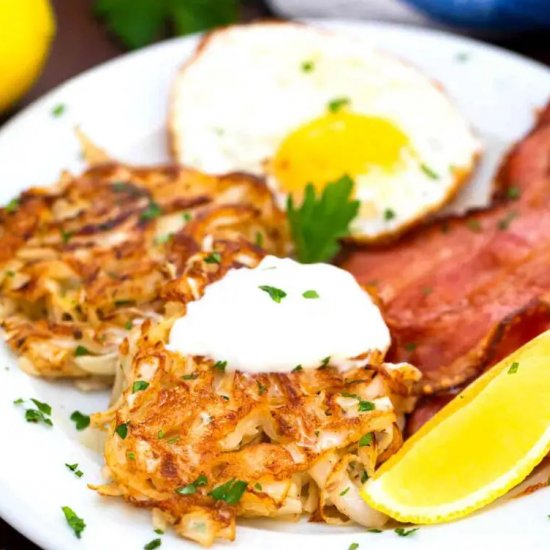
[279, 315]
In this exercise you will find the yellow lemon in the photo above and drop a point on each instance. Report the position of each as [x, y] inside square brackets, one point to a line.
[485, 441]
[26, 31]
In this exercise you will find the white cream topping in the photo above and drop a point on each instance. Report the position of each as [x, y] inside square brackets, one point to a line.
[239, 322]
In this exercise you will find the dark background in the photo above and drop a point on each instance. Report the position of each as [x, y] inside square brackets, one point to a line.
[81, 42]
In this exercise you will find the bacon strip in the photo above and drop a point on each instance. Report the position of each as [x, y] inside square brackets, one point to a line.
[459, 292]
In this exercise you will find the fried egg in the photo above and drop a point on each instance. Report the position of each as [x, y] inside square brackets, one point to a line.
[302, 105]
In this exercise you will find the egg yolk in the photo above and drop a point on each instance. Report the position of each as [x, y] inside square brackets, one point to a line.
[335, 144]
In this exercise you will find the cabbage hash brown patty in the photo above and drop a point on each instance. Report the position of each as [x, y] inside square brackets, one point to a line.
[201, 446]
[83, 261]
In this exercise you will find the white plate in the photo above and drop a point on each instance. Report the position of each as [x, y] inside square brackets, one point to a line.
[122, 106]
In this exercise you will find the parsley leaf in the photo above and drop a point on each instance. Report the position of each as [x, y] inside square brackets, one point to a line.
[139, 385]
[40, 414]
[307, 66]
[276, 294]
[513, 368]
[12, 206]
[191, 488]
[429, 172]
[58, 110]
[365, 440]
[75, 470]
[155, 543]
[310, 294]
[220, 365]
[231, 491]
[152, 211]
[337, 104]
[75, 523]
[139, 22]
[213, 258]
[82, 421]
[353, 546]
[366, 406]
[80, 351]
[122, 430]
[402, 532]
[320, 222]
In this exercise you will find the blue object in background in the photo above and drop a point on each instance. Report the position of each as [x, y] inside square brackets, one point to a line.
[490, 15]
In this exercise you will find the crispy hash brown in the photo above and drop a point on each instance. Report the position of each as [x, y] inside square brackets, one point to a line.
[202, 446]
[82, 261]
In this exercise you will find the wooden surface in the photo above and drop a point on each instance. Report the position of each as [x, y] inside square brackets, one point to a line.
[81, 43]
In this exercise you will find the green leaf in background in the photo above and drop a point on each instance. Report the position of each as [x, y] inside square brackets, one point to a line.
[140, 22]
[198, 15]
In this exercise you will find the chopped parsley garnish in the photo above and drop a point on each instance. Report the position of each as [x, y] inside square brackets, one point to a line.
[220, 365]
[187, 216]
[66, 236]
[40, 414]
[151, 545]
[325, 362]
[402, 532]
[364, 476]
[474, 225]
[173, 440]
[230, 492]
[307, 66]
[58, 110]
[192, 376]
[389, 214]
[353, 546]
[276, 294]
[159, 531]
[258, 486]
[337, 104]
[261, 388]
[505, 222]
[374, 530]
[319, 223]
[75, 470]
[310, 294]
[131, 455]
[123, 303]
[429, 172]
[44, 408]
[344, 491]
[163, 239]
[513, 368]
[160, 434]
[122, 430]
[12, 206]
[297, 368]
[82, 421]
[128, 325]
[10, 273]
[80, 351]
[213, 258]
[365, 406]
[75, 523]
[139, 385]
[191, 488]
[365, 440]
[410, 346]
[259, 239]
[152, 211]
[513, 192]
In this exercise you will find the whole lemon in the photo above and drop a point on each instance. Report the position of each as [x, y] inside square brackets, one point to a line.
[26, 31]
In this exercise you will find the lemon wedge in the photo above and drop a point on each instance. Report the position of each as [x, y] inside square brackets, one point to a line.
[27, 29]
[485, 441]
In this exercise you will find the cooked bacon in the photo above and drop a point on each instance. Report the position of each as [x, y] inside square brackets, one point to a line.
[452, 291]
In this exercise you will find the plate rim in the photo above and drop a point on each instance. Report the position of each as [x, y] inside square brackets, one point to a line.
[15, 515]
